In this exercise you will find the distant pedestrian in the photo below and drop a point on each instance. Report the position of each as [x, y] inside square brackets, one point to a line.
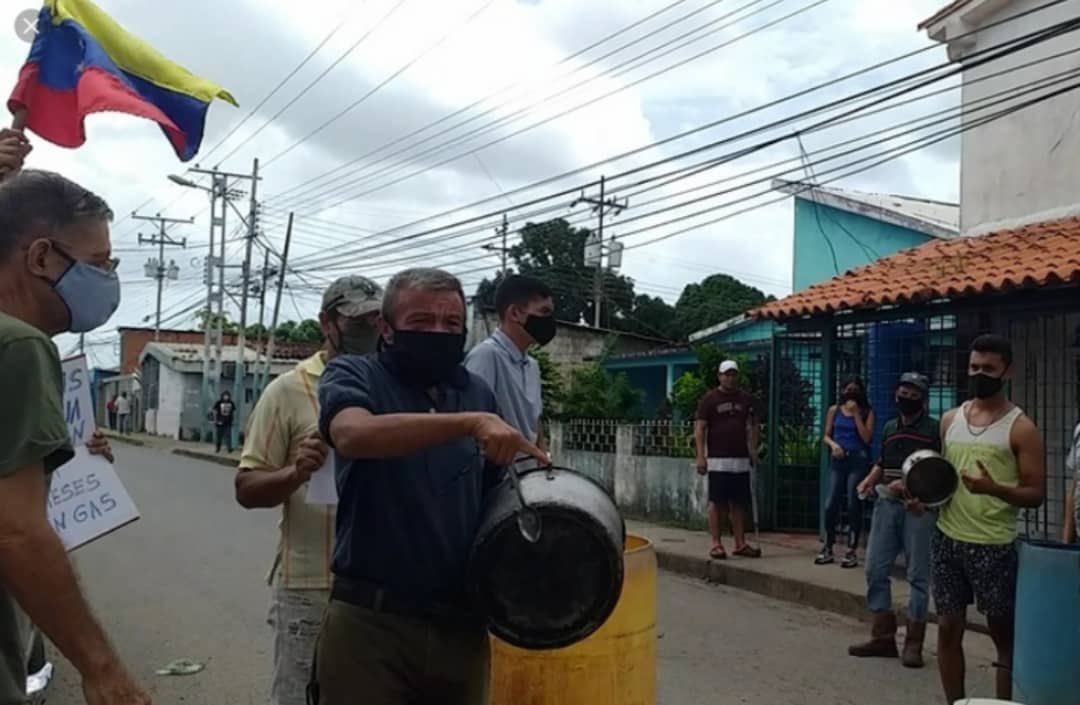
[998, 452]
[900, 525]
[123, 413]
[849, 428]
[224, 411]
[727, 431]
[110, 407]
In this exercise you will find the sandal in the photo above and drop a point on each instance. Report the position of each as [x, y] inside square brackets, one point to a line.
[748, 551]
[717, 553]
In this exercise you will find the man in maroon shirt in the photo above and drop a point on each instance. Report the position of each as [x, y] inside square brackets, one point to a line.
[727, 433]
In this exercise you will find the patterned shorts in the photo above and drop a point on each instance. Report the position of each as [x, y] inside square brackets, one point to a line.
[964, 573]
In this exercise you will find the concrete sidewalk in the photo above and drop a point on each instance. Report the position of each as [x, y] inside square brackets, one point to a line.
[189, 449]
[786, 571]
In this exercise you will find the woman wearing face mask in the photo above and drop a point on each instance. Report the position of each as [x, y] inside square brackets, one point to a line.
[849, 427]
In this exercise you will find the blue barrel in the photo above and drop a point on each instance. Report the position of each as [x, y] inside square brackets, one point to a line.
[1045, 668]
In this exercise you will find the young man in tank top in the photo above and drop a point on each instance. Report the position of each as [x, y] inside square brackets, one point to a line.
[998, 452]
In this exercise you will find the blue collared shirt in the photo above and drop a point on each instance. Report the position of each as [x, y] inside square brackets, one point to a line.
[406, 524]
[514, 376]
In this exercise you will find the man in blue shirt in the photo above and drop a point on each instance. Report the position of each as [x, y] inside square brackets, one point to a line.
[526, 318]
[417, 445]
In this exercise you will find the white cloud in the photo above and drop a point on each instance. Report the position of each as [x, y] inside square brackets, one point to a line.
[249, 46]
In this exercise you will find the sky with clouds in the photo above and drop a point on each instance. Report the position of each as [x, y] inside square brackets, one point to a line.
[519, 102]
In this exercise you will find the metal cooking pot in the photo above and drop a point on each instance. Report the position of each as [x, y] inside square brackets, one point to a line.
[930, 478]
[561, 588]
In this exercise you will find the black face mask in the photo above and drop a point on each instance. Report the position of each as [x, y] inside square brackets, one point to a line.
[983, 386]
[540, 328]
[427, 358]
[355, 337]
[909, 407]
[851, 396]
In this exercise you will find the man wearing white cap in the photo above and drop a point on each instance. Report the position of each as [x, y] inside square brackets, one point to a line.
[727, 432]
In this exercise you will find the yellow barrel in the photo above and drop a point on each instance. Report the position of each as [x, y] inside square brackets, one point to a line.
[614, 666]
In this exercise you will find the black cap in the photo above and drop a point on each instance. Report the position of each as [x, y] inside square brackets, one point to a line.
[917, 380]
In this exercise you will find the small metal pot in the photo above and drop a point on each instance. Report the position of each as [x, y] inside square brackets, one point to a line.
[930, 478]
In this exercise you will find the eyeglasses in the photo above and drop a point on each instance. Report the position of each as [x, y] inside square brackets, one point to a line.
[109, 265]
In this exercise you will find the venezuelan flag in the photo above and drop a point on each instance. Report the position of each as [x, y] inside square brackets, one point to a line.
[83, 62]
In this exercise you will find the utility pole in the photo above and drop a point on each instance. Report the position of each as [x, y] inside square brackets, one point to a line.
[595, 244]
[503, 250]
[240, 378]
[222, 192]
[156, 268]
[277, 307]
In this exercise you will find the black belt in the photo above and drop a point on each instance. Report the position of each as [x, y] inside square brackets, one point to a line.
[366, 595]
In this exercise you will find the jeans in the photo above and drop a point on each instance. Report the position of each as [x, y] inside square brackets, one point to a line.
[846, 473]
[124, 423]
[895, 530]
[223, 435]
[296, 616]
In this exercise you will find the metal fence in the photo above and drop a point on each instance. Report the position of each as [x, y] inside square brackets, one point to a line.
[596, 435]
[669, 439]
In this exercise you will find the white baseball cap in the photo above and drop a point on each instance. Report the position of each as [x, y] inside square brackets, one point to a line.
[728, 366]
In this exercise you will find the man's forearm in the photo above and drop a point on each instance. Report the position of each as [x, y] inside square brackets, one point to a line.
[35, 569]
[1025, 497]
[397, 435]
[699, 443]
[262, 489]
[875, 474]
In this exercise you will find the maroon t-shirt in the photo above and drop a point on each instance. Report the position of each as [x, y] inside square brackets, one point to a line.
[726, 415]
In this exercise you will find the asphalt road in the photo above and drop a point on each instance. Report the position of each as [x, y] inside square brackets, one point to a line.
[187, 581]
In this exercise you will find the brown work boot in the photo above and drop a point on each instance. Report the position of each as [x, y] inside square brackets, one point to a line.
[913, 643]
[882, 642]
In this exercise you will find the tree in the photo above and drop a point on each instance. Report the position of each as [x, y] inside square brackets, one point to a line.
[717, 298]
[306, 331]
[551, 383]
[228, 327]
[595, 393]
[651, 316]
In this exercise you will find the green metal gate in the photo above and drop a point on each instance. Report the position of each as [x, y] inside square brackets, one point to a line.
[792, 474]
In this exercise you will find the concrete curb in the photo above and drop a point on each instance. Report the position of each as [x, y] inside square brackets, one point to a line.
[206, 457]
[736, 574]
[125, 439]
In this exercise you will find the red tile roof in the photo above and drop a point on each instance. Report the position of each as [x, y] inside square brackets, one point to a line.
[1042, 254]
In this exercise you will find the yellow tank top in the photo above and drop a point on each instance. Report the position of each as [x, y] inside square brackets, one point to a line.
[981, 518]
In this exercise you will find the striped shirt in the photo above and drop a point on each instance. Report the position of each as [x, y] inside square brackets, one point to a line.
[286, 413]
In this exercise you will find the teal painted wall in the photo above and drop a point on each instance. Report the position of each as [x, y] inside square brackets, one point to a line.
[813, 260]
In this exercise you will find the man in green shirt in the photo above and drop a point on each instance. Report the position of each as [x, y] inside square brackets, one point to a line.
[56, 275]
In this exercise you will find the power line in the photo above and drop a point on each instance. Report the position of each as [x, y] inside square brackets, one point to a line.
[355, 104]
[317, 79]
[386, 184]
[512, 85]
[821, 125]
[806, 113]
[273, 91]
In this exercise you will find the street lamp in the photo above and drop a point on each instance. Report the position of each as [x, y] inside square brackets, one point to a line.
[183, 181]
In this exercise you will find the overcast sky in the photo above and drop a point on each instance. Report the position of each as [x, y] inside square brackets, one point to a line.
[469, 50]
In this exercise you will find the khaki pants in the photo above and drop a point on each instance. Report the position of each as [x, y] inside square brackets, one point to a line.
[374, 658]
[295, 616]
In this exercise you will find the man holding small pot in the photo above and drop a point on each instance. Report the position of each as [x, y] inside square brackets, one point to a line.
[900, 524]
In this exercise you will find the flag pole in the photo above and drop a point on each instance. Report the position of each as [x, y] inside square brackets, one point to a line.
[18, 119]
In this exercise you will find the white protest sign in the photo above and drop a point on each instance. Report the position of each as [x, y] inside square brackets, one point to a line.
[86, 498]
[322, 489]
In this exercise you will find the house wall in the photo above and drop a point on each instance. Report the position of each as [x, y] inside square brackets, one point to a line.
[855, 239]
[1022, 167]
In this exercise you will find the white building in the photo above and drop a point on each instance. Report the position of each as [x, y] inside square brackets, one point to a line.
[171, 375]
[1021, 168]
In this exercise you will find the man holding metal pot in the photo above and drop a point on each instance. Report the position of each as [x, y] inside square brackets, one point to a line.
[417, 448]
[998, 453]
[900, 525]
